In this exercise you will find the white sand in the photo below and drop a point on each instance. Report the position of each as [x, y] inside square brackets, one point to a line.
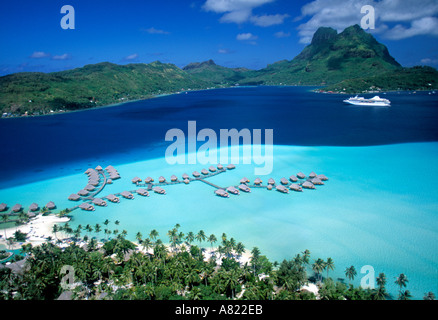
[37, 230]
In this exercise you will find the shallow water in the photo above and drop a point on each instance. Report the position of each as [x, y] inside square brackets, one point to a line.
[378, 208]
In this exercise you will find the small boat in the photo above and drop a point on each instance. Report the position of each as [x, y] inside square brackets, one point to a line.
[375, 101]
[222, 193]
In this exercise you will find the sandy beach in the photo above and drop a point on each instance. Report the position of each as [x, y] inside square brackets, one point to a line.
[37, 230]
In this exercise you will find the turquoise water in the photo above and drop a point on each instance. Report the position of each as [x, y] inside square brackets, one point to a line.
[378, 208]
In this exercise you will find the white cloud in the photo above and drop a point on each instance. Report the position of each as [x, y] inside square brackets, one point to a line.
[64, 56]
[246, 36]
[152, 30]
[133, 56]
[282, 34]
[39, 55]
[268, 20]
[411, 17]
[240, 11]
[429, 61]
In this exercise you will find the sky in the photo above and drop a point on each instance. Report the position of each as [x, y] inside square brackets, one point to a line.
[234, 33]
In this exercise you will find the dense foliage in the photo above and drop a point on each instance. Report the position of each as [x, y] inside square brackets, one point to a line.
[117, 269]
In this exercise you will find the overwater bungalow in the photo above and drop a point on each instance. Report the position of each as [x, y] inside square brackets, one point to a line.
[269, 187]
[293, 178]
[94, 182]
[50, 205]
[99, 202]
[233, 190]
[109, 181]
[231, 166]
[148, 180]
[295, 187]
[308, 185]
[212, 169]
[312, 174]
[196, 174]
[98, 168]
[301, 175]
[220, 167]
[31, 215]
[173, 178]
[185, 176]
[127, 195]
[161, 179]
[114, 176]
[74, 197]
[17, 208]
[186, 181]
[317, 181]
[136, 179]
[221, 193]
[282, 189]
[34, 207]
[83, 192]
[258, 181]
[86, 206]
[322, 177]
[142, 192]
[89, 187]
[244, 188]
[3, 206]
[158, 190]
[284, 181]
[271, 181]
[244, 180]
[204, 172]
[112, 198]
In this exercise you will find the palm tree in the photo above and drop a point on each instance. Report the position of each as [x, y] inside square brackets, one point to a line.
[147, 244]
[153, 235]
[429, 296]
[405, 295]
[318, 266]
[212, 239]
[381, 280]
[97, 228]
[55, 229]
[401, 281]
[240, 248]
[330, 265]
[190, 237]
[139, 237]
[306, 256]
[255, 255]
[200, 236]
[350, 272]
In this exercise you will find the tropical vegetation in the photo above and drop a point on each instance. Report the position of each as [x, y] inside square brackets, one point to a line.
[108, 266]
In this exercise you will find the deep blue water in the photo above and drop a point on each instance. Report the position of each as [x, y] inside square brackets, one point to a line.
[34, 145]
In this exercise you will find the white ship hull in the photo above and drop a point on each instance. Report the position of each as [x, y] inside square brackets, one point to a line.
[373, 102]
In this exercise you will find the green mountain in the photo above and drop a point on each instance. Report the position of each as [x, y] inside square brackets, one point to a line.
[352, 61]
[330, 58]
[90, 86]
[210, 71]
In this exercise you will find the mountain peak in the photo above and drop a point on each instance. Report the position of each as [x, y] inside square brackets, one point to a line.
[324, 34]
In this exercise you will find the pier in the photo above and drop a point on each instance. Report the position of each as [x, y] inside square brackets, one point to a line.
[295, 183]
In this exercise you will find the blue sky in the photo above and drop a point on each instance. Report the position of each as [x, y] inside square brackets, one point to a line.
[234, 33]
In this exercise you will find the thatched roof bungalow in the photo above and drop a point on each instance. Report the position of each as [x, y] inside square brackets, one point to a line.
[258, 181]
[308, 185]
[221, 193]
[34, 207]
[196, 174]
[148, 180]
[158, 190]
[282, 189]
[231, 166]
[136, 179]
[161, 179]
[83, 192]
[86, 206]
[317, 181]
[271, 181]
[127, 195]
[142, 192]
[173, 178]
[112, 198]
[89, 187]
[204, 172]
[50, 205]
[3, 206]
[244, 188]
[233, 190]
[293, 178]
[322, 177]
[220, 167]
[284, 181]
[99, 202]
[185, 176]
[74, 197]
[301, 175]
[312, 174]
[98, 168]
[295, 187]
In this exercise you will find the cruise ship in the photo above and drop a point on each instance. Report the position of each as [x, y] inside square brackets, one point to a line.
[375, 101]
